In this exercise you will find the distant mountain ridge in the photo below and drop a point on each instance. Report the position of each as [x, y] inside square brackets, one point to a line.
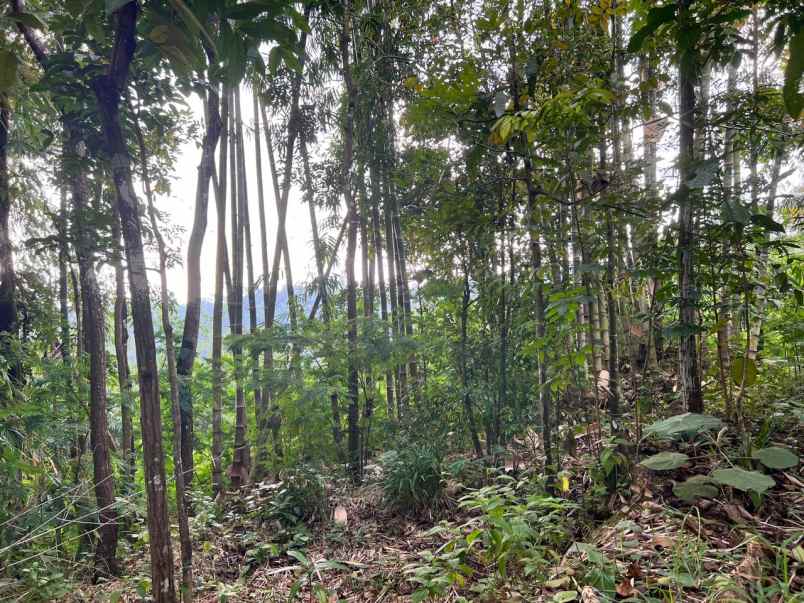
[205, 330]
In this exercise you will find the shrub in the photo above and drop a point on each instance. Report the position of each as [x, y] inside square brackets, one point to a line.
[300, 497]
[412, 479]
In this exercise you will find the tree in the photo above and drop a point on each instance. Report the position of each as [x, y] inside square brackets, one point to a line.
[108, 89]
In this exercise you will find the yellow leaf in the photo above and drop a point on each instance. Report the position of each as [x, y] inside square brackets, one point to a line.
[564, 483]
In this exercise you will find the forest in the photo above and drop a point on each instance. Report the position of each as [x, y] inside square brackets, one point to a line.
[416, 300]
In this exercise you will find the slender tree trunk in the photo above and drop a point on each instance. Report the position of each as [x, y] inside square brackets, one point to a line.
[238, 472]
[647, 235]
[689, 375]
[351, 247]
[95, 338]
[8, 303]
[173, 380]
[121, 354]
[246, 226]
[760, 291]
[192, 317]
[466, 396]
[64, 258]
[108, 89]
[378, 243]
[217, 309]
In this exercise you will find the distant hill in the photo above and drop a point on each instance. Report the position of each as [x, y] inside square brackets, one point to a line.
[207, 306]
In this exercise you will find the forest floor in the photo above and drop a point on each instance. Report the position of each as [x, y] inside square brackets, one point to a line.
[640, 543]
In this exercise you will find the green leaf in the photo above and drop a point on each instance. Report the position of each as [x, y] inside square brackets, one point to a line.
[793, 99]
[704, 173]
[8, 70]
[665, 461]
[28, 20]
[299, 556]
[776, 457]
[743, 480]
[698, 486]
[565, 596]
[766, 222]
[750, 371]
[684, 425]
[657, 17]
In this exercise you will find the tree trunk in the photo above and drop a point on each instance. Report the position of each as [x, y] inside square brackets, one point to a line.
[689, 375]
[8, 304]
[261, 402]
[238, 472]
[351, 247]
[173, 380]
[378, 243]
[107, 89]
[246, 227]
[95, 340]
[217, 310]
[466, 396]
[760, 291]
[121, 354]
[192, 317]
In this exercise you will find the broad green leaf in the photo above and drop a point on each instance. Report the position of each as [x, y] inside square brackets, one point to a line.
[565, 596]
[657, 17]
[743, 480]
[665, 461]
[747, 366]
[698, 486]
[8, 70]
[766, 222]
[29, 20]
[776, 457]
[684, 425]
[793, 99]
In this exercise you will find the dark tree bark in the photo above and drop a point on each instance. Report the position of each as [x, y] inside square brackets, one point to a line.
[246, 226]
[217, 311]
[8, 303]
[189, 341]
[689, 375]
[466, 396]
[351, 247]
[173, 380]
[108, 88]
[261, 407]
[239, 470]
[95, 341]
[121, 355]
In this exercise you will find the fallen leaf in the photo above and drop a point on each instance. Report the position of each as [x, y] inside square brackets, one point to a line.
[634, 571]
[557, 583]
[733, 513]
[626, 589]
[341, 517]
[749, 567]
[663, 541]
[588, 595]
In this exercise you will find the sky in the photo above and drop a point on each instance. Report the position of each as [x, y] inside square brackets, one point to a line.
[179, 208]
